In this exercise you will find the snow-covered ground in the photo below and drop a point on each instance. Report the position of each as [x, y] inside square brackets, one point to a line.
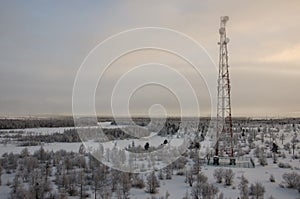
[177, 187]
[72, 146]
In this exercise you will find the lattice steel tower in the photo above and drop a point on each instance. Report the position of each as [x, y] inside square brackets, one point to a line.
[224, 142]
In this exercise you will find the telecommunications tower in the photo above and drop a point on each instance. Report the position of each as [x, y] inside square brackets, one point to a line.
[224, 143]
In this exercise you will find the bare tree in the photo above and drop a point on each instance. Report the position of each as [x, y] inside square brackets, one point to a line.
[197, 165]
[125, 185]
[81, 181]
[114, 178]
[169, 171]
[282, 138]
[294, 142]
[160, 174]
[189, 177]
[100, 181]
[0, 174]
[152, 183]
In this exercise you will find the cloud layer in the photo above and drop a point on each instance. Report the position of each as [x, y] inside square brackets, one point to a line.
[42, 45]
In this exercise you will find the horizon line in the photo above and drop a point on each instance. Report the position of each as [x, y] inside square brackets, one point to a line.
[140, 116]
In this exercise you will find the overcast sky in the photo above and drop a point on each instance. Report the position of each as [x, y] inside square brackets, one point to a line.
[43, 43]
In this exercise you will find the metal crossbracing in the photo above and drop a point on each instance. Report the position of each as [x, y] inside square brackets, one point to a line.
[224, 143]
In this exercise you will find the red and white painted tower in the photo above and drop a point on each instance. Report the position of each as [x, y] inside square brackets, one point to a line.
[224, 142]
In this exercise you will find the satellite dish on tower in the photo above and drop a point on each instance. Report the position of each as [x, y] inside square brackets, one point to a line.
[225, 19]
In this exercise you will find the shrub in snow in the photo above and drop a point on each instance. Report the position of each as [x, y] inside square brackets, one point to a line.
[201, 178]
[169, 172]
[137, 182]
[187, 195]
[243, 187]
[287, 146]
[179, 163]
[252, 145]
[221, 196]
[228, 176]
[296, 168]
[291, 179]
[295, 156]
[284, 165]
[204, 190]
[257, 151]
[167, 195]
[180, 173]
[250, 139]
[260, 153]
[218, 175]
[275, 158]
[272, 178]
[269, 155]
[263, 161]
[257, 190]
[189, 178]
[160, 174]
[281, 185]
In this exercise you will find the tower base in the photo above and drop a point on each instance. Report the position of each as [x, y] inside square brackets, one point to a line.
[232, 161]
[216, 160]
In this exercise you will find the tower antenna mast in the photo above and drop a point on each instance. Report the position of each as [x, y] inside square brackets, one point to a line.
[224, 121]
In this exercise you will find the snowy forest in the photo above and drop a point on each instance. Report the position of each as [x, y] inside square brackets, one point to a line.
[44, 162]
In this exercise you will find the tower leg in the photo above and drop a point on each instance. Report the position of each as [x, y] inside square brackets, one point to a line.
[216, 160]
[232, 161]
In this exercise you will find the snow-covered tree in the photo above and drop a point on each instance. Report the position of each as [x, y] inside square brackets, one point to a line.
[125, 185]
[189, 177]
[100, 179]
[291, 179]
[137, 181]
[152, 183]
[169, 171]
[160, 174]
[201, 178]
[257, 190]
[0, 175]
[204, 191]
[218, 174]
[262, 158]
[282, 138]
[294, 142]
[228, 176]
[243, 187]
[115, 176]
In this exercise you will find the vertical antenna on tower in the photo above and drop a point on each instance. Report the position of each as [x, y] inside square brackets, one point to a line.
[224, 142]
